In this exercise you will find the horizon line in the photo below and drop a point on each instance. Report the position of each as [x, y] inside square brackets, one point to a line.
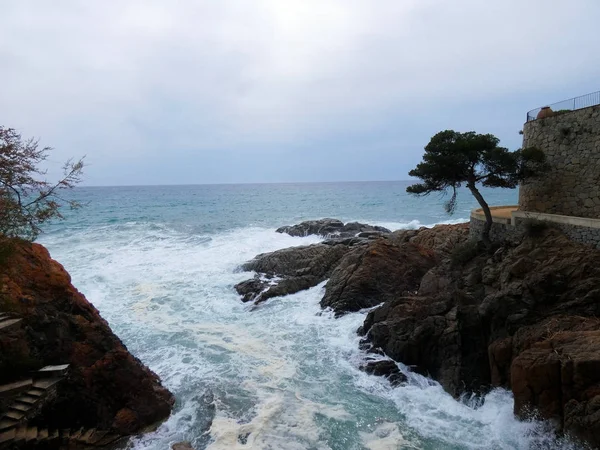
[241, 183]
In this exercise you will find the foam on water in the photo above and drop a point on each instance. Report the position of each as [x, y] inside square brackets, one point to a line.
[281, 376]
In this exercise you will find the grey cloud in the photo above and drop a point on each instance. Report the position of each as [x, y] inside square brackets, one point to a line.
[204, 91]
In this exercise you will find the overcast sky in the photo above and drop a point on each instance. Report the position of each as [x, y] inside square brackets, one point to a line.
[220, 91]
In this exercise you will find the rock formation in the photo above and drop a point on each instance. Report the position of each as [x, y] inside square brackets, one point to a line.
[524, 317]
[330, 228]
[106, 387]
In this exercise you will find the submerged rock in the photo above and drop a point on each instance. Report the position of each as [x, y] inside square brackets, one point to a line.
[329, 228]
[106, 387]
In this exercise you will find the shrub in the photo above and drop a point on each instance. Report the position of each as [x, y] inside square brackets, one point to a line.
[27, 199]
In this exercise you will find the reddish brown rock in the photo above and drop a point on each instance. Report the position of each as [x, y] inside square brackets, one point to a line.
[560, 376]
[499, 320]
[442, 238]
[376, 273]
[106, 385]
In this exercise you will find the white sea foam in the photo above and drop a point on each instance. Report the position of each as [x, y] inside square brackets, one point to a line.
[413, 224]
[282, 376]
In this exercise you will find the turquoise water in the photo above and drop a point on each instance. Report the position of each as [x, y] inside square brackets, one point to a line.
[160, 264]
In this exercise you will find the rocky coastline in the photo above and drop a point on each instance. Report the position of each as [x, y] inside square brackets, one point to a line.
[97, 384]
[523, 316]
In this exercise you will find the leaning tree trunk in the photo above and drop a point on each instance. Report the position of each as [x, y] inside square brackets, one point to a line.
[485, 236]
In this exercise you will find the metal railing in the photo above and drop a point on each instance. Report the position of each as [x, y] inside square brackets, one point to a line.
[572, 104]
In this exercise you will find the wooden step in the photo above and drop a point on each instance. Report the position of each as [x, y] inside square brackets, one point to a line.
[53, 434]
[7, 436]
[36, 392]
[15, 387]
[7, 422]
[53, 371]
[32, 434]
[12, 414]
[23, 407]
[5, 315]
[85, 437]
[28, 399]
[45, 383]
[75, 436]
[7, 324]
[21, 433]
[43, 434]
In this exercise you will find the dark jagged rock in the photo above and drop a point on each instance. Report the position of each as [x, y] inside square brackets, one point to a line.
[291, 270]
[106, 387]
[329, 228]
[376, 273]
[385, 368]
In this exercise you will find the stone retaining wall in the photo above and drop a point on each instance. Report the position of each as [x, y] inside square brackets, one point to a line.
[579, 229]
[571, 142]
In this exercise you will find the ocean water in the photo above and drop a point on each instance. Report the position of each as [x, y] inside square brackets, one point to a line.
[160, 264]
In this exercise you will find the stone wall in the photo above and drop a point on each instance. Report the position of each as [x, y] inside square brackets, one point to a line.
[499, 231]
[571, 142]
[584, 231]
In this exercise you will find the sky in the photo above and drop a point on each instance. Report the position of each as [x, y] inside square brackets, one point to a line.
[240, 91]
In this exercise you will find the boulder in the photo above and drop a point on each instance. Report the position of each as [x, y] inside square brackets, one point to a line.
[182, 446]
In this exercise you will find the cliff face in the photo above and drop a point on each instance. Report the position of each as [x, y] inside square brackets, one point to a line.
[106, 387]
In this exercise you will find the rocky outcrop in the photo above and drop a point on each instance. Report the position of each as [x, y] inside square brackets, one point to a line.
[106, 387]
[376, 273]
[331, 228]
[523, 318]
[362, 271]
[442, 239]
[292, 269]
[561, 377]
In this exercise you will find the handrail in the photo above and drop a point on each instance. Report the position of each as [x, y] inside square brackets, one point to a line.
[572, 104]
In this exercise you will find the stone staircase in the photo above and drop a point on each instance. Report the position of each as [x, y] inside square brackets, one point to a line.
[7, 321]
[26, 436]
[27, 397]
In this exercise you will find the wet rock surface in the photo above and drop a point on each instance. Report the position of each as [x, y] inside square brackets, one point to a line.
[385, 368]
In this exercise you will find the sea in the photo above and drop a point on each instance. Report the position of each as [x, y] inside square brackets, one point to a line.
[160, 263]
